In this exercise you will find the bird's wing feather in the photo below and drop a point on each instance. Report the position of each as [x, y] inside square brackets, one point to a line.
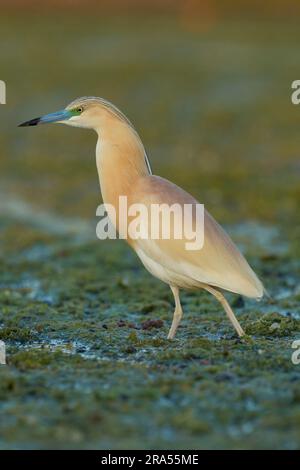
[218, 263]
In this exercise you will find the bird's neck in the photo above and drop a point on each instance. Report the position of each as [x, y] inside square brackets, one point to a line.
[121, 160]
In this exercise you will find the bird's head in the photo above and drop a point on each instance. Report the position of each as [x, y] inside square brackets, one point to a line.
[87, 112]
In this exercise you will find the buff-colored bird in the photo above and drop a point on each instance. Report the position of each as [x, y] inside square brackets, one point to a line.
[124, 170]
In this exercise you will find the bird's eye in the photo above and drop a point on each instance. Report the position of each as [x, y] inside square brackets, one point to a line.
[79, 110]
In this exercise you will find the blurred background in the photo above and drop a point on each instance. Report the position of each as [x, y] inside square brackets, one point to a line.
[207, 84]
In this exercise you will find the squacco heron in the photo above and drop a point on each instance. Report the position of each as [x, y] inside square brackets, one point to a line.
[124, 169]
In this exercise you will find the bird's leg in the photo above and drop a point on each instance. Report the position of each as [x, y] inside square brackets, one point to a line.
[177, 313]
[227, 309]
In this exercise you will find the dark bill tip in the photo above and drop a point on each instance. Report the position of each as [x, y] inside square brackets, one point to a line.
[32, 122]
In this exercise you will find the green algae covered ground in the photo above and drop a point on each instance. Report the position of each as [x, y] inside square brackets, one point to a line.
[88, 363]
